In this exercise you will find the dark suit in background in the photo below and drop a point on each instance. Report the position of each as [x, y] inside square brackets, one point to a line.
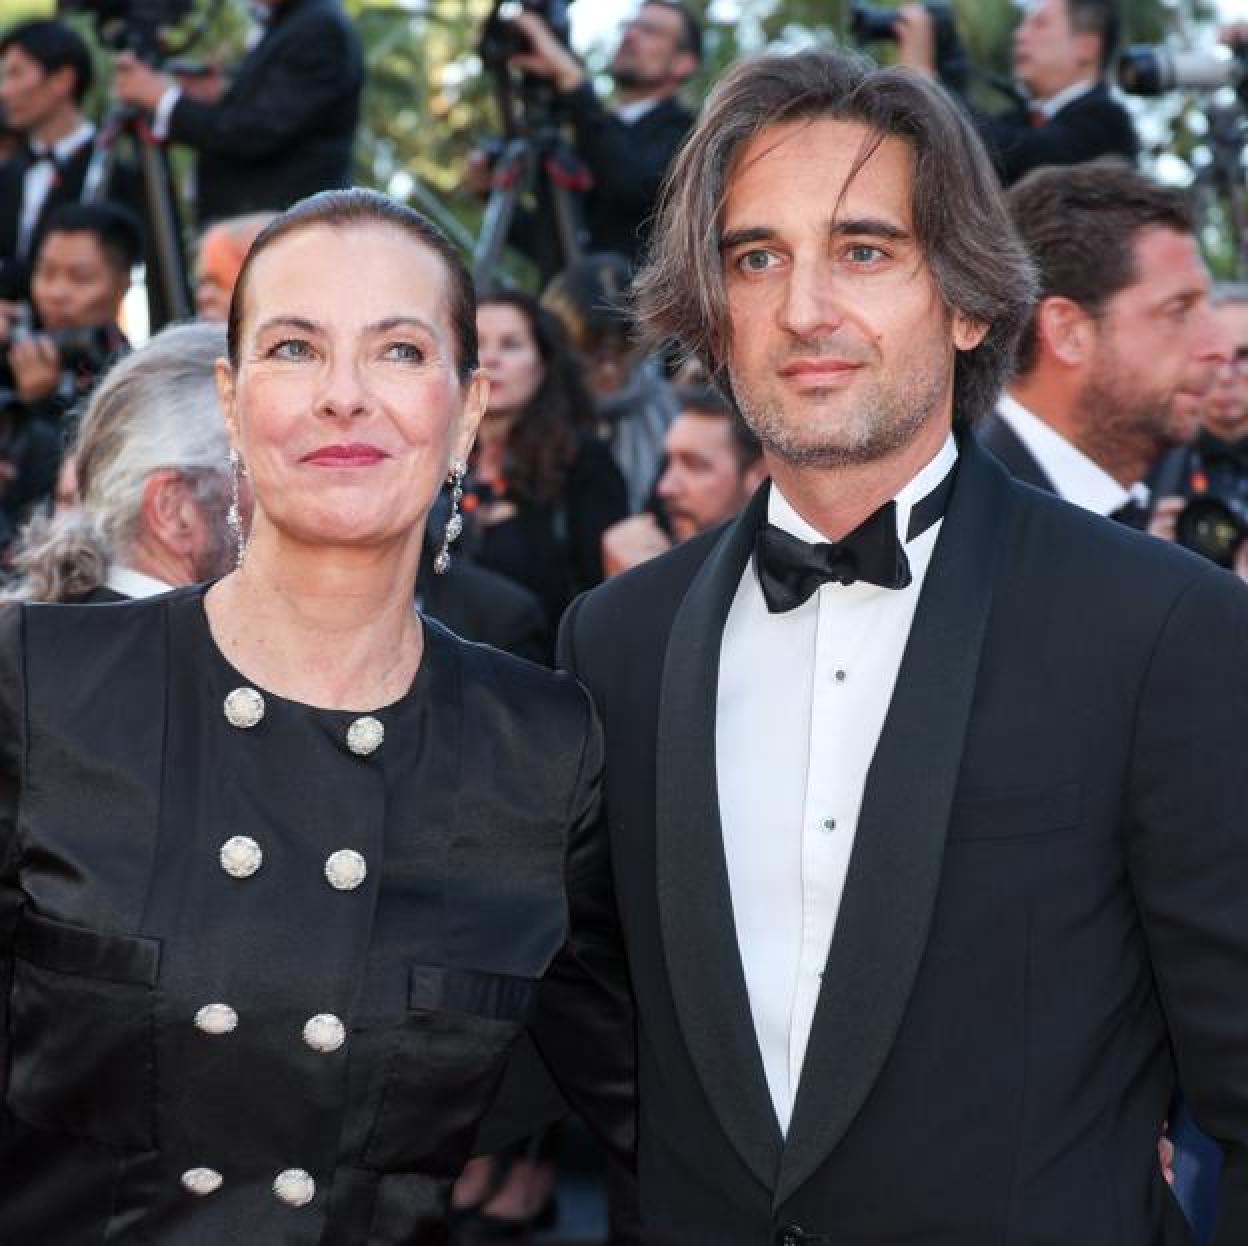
[285, 127]
[1091, 126]
[481, 605]
[1005, 444]
[1050, 848]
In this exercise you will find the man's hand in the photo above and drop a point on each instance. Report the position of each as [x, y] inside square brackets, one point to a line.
[11, 315]
[631, 542]
[916, 39]
[36, 365]
[137, 84]
[1165, 517]
[207, 87]
[547, 57]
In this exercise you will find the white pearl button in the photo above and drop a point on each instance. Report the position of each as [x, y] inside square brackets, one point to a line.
[345, 869]
[216, 1019]
[324, 1032]
[241, 856]
[294, 1187]
[202, 1180]
[244, 707]
[365, 735]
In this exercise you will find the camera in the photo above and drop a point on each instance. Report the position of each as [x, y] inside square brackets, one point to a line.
[500, 40]
[1213, 526]
[130, 25]
[874, 23]
[1149, 70]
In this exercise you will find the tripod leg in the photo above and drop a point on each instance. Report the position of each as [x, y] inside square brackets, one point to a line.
[514, 170]
[567, 223]
[166, 236]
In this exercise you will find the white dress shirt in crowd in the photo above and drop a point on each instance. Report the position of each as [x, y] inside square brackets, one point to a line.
[1067, 95]
[1075, 476]
[802, 700]
[131, 583]
[40, 177]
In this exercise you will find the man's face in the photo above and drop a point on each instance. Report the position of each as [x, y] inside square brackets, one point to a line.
[840, 347]
[1226, 414]
[1157, 349]
[651, 54]
[1048, 54]
[30, 95]
[75, 284]
[703, 483]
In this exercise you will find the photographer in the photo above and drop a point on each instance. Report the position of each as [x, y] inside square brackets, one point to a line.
[626, 149]
[1062, 53]
[281, 130]
[81, 275]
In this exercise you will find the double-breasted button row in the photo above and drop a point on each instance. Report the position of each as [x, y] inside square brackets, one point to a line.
[241, 857]
[295, 1187]
[323, 1032]
[244, 709]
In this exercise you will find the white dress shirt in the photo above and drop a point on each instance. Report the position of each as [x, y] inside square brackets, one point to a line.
[40, 177]
[132, 583]
[1075, 476]
[1067, 95]
[802, 700]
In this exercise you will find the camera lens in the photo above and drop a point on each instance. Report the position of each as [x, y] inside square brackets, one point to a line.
[871, 23]
[1210, 527]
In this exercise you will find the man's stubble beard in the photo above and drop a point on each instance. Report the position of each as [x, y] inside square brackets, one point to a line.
[875, 426]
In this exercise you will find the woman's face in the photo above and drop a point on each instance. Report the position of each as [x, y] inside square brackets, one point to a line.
[346, 405]
[509, 357]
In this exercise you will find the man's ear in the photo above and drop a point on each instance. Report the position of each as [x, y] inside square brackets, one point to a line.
[1064, 331]
[165, 510]
[967, 333]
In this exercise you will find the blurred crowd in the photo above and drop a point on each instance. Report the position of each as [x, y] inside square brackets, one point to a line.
[1129, 395]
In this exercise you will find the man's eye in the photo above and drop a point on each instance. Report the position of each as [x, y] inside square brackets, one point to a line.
[405, 352]
[864, 253]
[292, 348]
[756, 261]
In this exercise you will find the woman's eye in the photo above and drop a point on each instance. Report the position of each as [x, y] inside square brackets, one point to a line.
[405, 352]
[291, 348]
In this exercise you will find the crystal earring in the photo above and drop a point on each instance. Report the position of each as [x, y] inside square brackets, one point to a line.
[234, 516]
[455, 524]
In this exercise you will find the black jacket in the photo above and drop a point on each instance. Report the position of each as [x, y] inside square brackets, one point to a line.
[485, 905]
[1005, 444]
[285, 127]
[1044, 911]
[1091, 126]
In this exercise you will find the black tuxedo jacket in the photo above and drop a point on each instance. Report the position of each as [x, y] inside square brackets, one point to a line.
[1045, 909]
[1005, 444]
[285, 127]
[1091, 126]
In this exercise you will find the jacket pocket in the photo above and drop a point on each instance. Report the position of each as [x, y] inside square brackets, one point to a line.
[81, 1032]
[1015, 815]
[459, 1028]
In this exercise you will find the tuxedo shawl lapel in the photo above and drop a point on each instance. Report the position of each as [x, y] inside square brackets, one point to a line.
[695, 904]
[894, 872]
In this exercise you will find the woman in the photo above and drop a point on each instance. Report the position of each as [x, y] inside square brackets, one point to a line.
[281, 864]
[149, 466]
[542, 493]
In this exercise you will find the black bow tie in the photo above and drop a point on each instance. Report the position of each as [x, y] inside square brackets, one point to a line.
[791, 570]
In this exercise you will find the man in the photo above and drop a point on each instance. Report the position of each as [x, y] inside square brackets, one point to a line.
[284, 127]
[626, 150]
[1063, 50]
[1122, 346]
[713, 466]
[45, 74]
[81, 275]
[924, 789]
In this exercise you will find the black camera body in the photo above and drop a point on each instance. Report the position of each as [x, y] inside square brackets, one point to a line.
[130, 25]
[500, 40]
[874, 23]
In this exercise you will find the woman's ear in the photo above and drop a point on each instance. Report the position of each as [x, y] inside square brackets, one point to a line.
[476, 399]
[226, 396]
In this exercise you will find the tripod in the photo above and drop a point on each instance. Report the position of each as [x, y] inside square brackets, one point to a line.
[169, 292]
[535, 156]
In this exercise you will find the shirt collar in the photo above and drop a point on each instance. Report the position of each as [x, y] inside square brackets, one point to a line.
[132, 583]
[1067, 95]
[632, 113]
[1075, 476]
[65, 147]
[781, 513]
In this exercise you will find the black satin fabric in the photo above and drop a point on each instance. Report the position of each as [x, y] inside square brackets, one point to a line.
[120, 778]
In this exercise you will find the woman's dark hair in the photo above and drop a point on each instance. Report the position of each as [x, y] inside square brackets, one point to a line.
[541, 442]
[345, 209]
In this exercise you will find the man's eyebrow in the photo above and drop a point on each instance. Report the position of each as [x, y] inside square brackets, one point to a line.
[858, 227]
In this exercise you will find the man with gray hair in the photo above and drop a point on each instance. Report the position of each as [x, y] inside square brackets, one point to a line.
[151, 459]
[925, 789]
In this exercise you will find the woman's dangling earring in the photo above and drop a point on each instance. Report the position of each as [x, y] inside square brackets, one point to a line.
[455, 524]
[234, 516]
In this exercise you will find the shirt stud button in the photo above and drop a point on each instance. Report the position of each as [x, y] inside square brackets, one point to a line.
[829, 824]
